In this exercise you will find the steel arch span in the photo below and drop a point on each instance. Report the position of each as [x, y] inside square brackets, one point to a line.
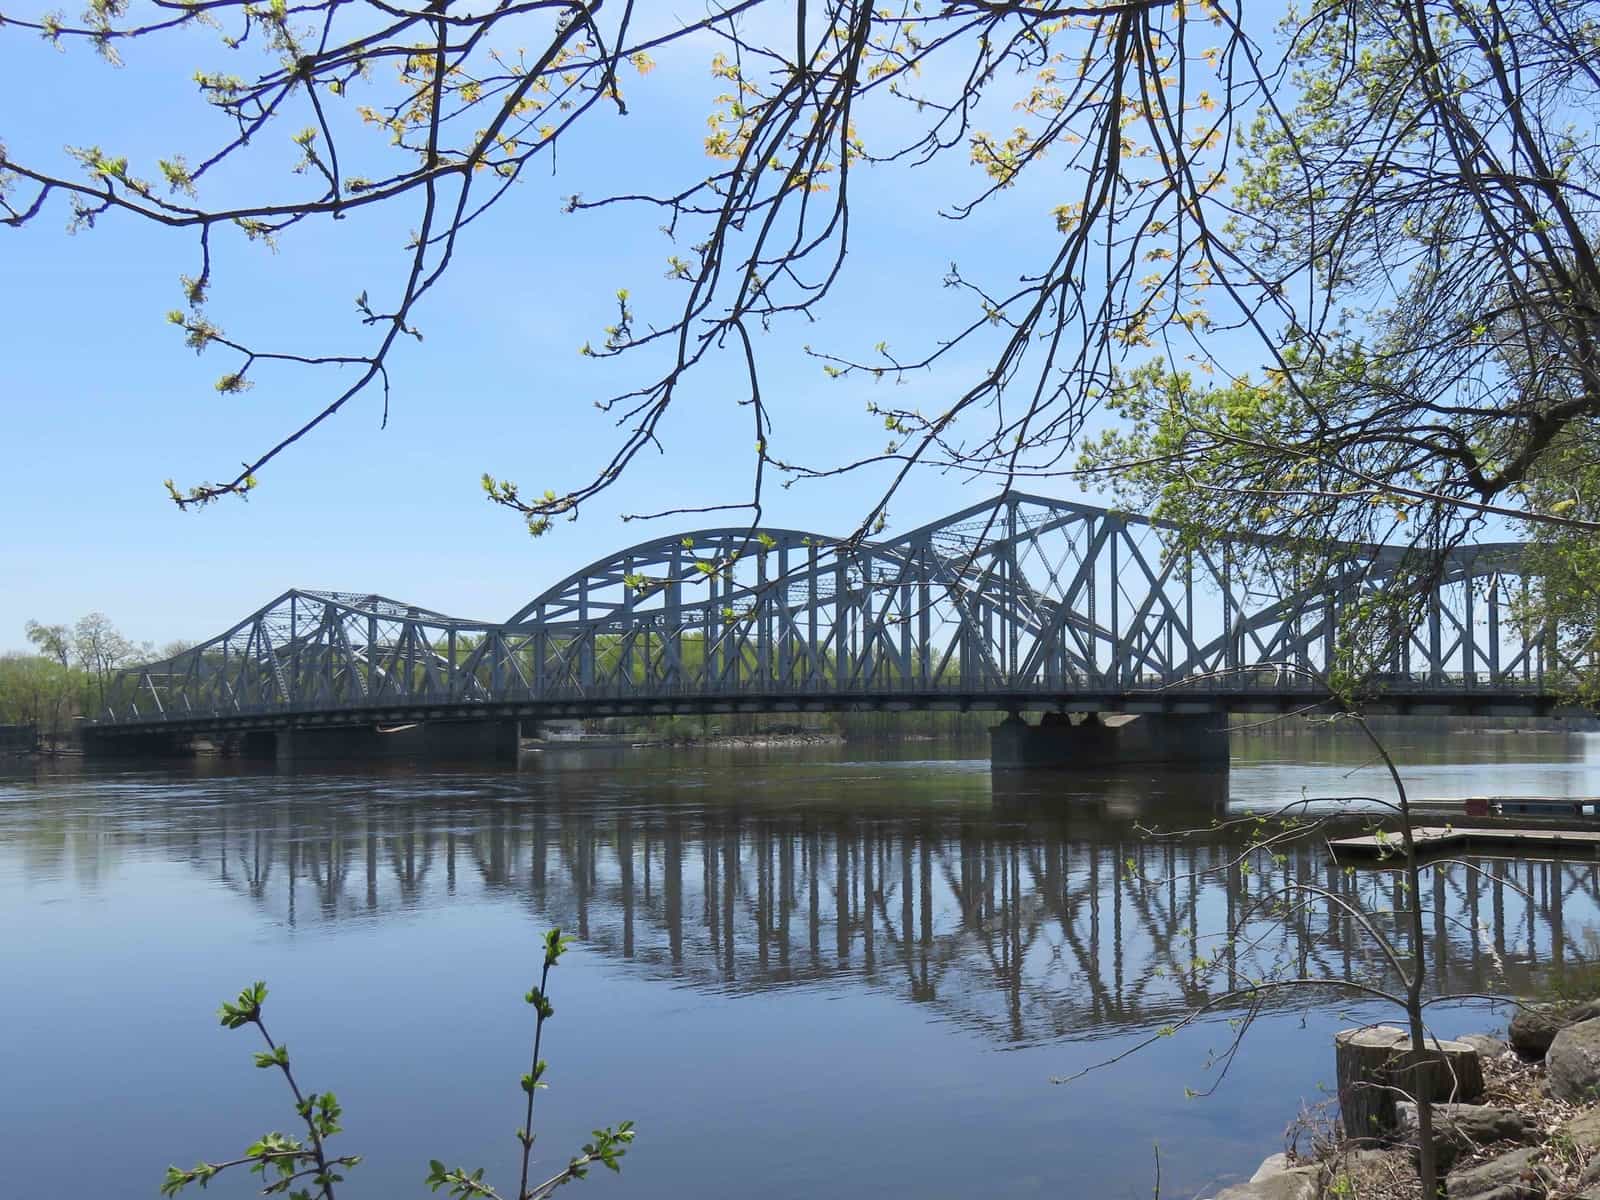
[1019, 601]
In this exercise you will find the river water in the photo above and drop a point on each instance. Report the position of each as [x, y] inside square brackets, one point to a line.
[802, 972]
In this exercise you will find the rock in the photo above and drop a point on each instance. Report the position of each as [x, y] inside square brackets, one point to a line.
[1534, 1028]
[1275, 1164]
[1445, 1153]
[1361, 1172]
[1584, 1131]
[1514, 1176]
[1457, 1128]
[1486, 1044]
[1296, 1183]
[1365, 1173]
[1278, 1179]
[1373, 1062]
[1478, 1124]
[1363, 1160]
[1573, 1062]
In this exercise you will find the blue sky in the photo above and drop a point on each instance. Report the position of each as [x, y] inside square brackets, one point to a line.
[99, 400]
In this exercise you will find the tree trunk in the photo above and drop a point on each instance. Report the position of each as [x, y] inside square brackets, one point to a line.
[1376, 1064]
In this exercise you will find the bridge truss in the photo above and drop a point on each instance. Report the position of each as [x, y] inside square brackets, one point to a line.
[1020, 600]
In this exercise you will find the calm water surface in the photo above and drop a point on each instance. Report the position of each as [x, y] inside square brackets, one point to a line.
[801, 972]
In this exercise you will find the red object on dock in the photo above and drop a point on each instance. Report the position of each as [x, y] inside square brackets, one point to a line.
[1477, 806]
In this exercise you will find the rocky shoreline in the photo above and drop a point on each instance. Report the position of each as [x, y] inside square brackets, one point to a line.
[1530, 1130]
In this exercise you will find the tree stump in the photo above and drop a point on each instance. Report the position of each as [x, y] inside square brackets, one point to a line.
[1376, 1067]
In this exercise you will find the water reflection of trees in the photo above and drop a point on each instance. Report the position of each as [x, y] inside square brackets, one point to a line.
[1022, 917]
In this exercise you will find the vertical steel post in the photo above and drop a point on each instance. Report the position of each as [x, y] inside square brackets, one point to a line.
[1230, 651]
[924, 617]
[905, 631]
[1011, 596]
[841, 666]
[1116, 588]
[541, 652]
[1330, 617]
[672, 614]
[763, 615]
[1091, 588]
[375, 683]
[292, 691]
[814, 669]
[868, 625]
[711, 675]
[1527, 650]
[785, 624]
[625, 649]
[1494, 630]
[1435, 635]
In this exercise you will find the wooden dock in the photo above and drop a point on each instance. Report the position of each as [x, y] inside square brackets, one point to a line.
[1517, 840]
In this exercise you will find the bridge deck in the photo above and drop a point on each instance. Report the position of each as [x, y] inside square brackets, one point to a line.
[1416, 702]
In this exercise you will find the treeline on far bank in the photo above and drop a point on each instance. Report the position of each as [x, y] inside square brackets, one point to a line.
[846, 726]
[66, 674]
[867, 726]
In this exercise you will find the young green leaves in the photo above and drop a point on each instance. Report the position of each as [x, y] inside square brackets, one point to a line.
[301, 1168]
[235, 1014]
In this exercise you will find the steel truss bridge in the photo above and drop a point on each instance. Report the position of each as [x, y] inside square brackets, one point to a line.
[1017, 602]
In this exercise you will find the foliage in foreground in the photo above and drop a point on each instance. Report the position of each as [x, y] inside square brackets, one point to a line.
[1390, 207]
[303, 1168]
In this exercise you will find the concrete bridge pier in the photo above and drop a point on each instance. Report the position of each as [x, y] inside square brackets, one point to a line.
[1110, 740]
[433, 741]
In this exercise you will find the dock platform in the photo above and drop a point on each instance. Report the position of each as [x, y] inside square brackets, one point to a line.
[1437, 839]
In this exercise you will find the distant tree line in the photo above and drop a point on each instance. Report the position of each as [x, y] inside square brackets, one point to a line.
[851, 726]
[67, 673]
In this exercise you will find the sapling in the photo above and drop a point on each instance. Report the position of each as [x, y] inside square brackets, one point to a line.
[302, 1166]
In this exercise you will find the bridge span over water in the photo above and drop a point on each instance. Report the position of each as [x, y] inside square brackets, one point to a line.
[1017, 603]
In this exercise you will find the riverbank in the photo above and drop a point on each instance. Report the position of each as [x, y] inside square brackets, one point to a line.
[1530, 1130]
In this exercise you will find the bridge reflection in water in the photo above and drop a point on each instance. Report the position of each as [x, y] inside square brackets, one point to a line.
[1015, 908]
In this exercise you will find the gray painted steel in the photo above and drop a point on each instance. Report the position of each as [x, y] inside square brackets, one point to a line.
[1018, 602]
